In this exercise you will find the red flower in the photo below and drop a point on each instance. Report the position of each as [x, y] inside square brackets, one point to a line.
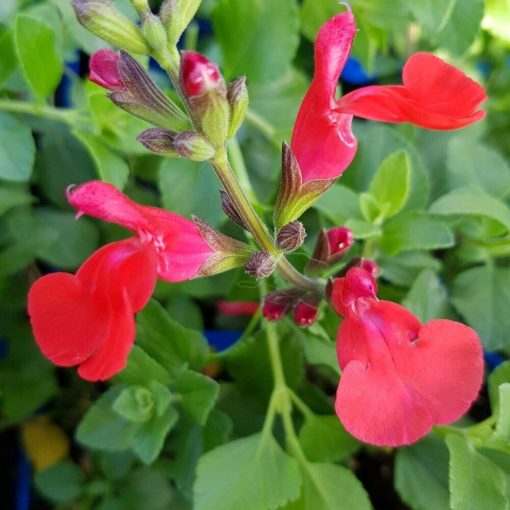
[340, 239]
[399, 377]
[434, 95]
[235, 308]
[87, 319]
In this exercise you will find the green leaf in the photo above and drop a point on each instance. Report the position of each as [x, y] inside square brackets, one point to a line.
[278, 101]
[103, 428]
[17, 149]
[502, 430]
[169, 343]
[390, 184]
[249, 364]
[313, 14]
[177, 177]
[415, 231]
[61, 483]
[324, 439]
[257, 38]
[376, 12]
[8, 61]
[421, 475]
[362, 229]
[475, 481]
[75, 242]
[432, 14]
[141, 369]
[58, 149]
[427, 298]
[135, 404]
[375, 143]
[39, 54]
[150, 436]
[497, 18]
[339, 204]
[13, 195]
[404, 268]
[22, 252]
[198, 394]
[319, 350]
[110, 167]
[146, 488]
[460, 31]
[482, 296]
[500, 375]
[465, 161]
[328, 486]
[250, 473]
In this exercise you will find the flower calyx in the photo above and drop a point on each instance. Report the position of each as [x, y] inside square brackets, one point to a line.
[134, 91]
[332, 244]
[176, 16]
[230, 209]
[237, 96]
[102, 19]
[294, 195]
[228, 253]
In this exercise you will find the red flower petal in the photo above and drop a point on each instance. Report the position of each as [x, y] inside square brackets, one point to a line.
[198, 74]
[104, 69]
[104, 201]
[65, 317]
[111, 358]
[322, 142]
[399, 378]
[435, 95]
[182, 250]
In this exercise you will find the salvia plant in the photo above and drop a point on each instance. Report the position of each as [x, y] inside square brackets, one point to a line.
[368, 298]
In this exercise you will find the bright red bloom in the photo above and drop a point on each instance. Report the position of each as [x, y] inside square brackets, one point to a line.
[198, 74]
[104, 69]
[399, 377]
[87, 319]
[434, 95]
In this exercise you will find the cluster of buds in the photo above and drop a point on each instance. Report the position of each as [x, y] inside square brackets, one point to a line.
[302, 305]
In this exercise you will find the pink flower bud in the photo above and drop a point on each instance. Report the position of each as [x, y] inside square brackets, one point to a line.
[340, 239]
[305, 313]
[198, 74]
[370, 267]
[273, 310]
[104, 70]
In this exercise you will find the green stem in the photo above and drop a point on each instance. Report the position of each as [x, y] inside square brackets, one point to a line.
[235, 191]
[369, 249]
[69, 116]
[237, 162]
[261, 124]
[255, 225]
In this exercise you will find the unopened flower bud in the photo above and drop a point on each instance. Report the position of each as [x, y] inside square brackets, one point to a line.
[305, 313]
[370, 267]
[205, 89]
[291, 236]
[340, 239]
[193, 146]
[153, 31]
[134, 91]
[331, 246]
[198, 74]
[237, 95]
[103, 20]
[260, 265]
[104, 70]
[176, 16]
[160, 141]
[273, 310]
[230, 209]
